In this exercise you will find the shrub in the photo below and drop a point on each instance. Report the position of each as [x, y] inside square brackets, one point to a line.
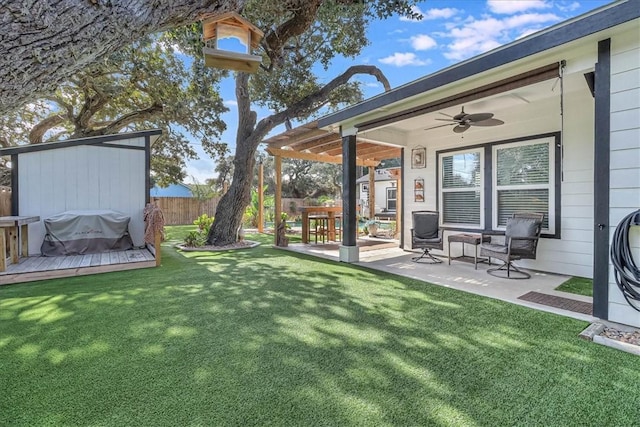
[195, 239]
[203, 222]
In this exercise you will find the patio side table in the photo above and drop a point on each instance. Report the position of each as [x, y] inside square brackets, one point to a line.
[470, 239]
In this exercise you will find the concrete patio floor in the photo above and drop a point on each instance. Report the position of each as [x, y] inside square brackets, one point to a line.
[459, 275]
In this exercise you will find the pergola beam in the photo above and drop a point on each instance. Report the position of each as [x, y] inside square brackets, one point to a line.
[317, 157]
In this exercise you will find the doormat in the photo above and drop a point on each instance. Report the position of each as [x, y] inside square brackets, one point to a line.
[558, 302]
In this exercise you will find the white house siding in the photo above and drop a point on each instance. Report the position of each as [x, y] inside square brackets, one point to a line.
[83, 177]
[625, 156]
[573, 252]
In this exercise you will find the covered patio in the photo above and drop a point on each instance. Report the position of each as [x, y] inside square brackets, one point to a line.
[538, 292]
[307, 142]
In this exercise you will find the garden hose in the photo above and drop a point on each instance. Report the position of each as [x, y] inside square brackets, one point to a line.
[626, 272]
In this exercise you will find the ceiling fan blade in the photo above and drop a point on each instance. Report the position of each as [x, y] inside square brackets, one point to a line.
[489, 122]
[478, 117]
[439, 126]
[445, 114]
[446, 120]
[460, 128]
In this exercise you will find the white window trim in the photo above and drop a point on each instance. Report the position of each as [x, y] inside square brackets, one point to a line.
[551, 185]
[388, 198]
[481, 189]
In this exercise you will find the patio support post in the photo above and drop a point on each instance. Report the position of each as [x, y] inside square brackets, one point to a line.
[260, 198]
[372, 192]
[601, 214]
[278, 199]
[349, 249]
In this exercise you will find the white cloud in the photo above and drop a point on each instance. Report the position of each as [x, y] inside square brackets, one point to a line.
[475, 36]
[230, 103]
[372, 84]
[568, 7]
[423, 42]
[515, 6]
[403, 59]
[444, 13]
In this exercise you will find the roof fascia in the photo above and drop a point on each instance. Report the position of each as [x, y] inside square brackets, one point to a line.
[94, 140]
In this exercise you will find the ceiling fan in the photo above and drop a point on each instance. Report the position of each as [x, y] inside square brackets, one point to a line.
[464, 121]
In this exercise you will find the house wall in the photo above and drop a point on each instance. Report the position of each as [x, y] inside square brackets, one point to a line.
[625, 157]
[83, 177]
[573, 252]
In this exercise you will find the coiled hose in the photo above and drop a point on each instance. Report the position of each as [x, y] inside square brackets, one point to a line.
[626, 272]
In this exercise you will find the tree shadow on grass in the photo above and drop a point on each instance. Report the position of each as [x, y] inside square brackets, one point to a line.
[271, 337]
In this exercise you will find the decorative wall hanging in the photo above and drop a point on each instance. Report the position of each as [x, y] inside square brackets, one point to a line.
[418, 190]
[419, 158]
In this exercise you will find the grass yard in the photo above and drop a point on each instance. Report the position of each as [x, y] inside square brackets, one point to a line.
[577, 285]
[269, 337]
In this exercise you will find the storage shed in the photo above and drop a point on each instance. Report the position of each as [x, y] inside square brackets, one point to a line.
[88, 174]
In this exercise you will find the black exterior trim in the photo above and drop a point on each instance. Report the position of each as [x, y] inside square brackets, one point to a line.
[607, 17]
[349, 213]
[15, 208]
[147, 169]
[488, 179]
[601, 184]
[402, 195]
[488, 205]
[80, 141]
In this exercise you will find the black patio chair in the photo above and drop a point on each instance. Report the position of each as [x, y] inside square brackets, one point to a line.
[426, 235]
[520, 242]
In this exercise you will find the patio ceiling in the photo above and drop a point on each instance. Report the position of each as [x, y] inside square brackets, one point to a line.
[307, 142]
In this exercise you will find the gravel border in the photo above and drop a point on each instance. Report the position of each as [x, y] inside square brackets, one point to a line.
[621, 338]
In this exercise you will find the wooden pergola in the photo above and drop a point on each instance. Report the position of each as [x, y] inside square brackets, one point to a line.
[307, 142]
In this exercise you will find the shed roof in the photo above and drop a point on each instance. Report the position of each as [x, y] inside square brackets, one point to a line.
[307, 142]
[93, 140]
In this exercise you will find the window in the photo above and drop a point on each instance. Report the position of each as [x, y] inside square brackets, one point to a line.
[461, 188]
[523, 181]
[391, 198]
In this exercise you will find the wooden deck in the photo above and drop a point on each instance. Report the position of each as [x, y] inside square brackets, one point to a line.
[41, 268]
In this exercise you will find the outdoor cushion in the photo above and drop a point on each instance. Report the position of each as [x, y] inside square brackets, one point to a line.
[502, 249]
[431, 240]
[522, 227]
[425, 226]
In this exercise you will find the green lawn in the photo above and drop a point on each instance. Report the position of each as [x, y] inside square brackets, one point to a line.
[577, 285]
[268, 337]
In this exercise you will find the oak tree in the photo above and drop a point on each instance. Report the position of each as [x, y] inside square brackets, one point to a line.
[147, 84]
[299, 36]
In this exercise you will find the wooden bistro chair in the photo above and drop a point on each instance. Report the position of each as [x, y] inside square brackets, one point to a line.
[319, 227]
[426, 235]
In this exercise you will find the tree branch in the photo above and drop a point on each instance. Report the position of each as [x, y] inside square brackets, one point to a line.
[38, 131]
[303, 16]
[124, 121]
[321, 96]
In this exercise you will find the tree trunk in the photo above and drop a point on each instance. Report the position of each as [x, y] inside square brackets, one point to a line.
[44, 42]
[231, 207]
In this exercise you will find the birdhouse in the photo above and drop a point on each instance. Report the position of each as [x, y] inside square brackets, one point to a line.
[228, 40]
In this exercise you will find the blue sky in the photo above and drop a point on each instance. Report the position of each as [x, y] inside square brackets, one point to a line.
[450, 32]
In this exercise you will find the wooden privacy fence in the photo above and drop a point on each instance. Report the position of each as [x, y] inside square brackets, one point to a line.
[183, 210]
[5, 201]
